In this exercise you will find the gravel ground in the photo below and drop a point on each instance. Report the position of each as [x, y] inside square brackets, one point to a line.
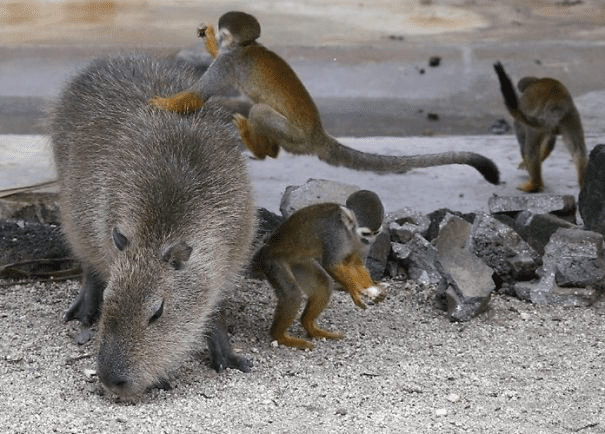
[403, 367]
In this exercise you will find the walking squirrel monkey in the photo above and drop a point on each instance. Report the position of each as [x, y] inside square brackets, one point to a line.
[544, 110]
[283, 113]
[314, 246]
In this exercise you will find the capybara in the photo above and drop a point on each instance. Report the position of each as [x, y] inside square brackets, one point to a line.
[158, 208]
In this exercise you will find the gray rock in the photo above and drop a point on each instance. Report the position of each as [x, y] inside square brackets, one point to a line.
[312, 192]
[406, 222]
[573, 270]
[377, 258]
[591, 201]
[503, 249]
[576, 257]
[436, 217]
[537, 229]
[471, 281]
[563, 206]
[420, 261]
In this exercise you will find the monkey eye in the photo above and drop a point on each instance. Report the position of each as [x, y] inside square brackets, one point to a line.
[159, 310]
[365, 232]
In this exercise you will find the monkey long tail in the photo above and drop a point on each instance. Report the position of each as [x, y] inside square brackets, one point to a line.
[510, 99]
[337, 154]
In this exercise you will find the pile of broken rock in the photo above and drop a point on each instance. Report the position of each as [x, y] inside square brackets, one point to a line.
[529, 245]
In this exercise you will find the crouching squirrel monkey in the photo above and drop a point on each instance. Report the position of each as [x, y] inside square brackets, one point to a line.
[544, 110]
[314, 245]
[283, 112]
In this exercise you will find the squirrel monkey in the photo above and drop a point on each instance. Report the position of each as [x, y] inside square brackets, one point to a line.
[316, 245]
[283, 113]
[544, 110]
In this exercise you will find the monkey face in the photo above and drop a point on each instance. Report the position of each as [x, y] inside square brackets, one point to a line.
[367, 236]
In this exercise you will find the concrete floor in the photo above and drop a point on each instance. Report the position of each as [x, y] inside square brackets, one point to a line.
[365, 64]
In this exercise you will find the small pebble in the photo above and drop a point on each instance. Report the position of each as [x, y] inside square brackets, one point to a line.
[453, 397]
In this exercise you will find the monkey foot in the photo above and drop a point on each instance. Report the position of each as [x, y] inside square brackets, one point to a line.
[375, 293]
[182, 102]
[291, 341]
[317, 332]
[531, 187]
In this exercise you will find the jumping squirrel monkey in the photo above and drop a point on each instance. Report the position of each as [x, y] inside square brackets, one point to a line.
[283, 113]
[544, 110]
[314, 247]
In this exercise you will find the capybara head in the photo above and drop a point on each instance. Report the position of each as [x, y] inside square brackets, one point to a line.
[150, 321]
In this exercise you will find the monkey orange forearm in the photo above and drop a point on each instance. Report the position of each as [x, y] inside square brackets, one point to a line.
[210, 41]
[182, 102]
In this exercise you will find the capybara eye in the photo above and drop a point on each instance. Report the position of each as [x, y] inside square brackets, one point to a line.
[158, 313]
[119, 239]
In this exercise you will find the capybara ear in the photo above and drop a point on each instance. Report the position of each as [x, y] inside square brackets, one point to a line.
[177, 254]
[119, 239]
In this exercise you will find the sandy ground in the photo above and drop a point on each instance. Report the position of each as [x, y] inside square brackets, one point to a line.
[403, 367]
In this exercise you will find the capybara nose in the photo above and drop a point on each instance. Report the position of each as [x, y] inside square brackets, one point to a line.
[112, 368]
[114, 381]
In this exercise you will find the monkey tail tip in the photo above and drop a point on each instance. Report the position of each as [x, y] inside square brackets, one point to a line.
[488, 169]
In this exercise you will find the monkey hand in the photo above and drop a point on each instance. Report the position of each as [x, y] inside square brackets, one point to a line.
[376, 293]
[182, 102]
[202, 29]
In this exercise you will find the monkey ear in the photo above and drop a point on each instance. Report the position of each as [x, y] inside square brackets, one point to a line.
[177, 254]
[348, 218]
[119, 239]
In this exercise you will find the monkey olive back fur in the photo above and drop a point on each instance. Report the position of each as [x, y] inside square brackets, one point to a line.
[156, 205]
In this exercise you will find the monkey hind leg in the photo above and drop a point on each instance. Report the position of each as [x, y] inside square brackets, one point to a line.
[183, 102]
[573, 137]
[316, 283]
[269, 129]
[532, 156]
[259, 145]
[547, 146]
[289, 297]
